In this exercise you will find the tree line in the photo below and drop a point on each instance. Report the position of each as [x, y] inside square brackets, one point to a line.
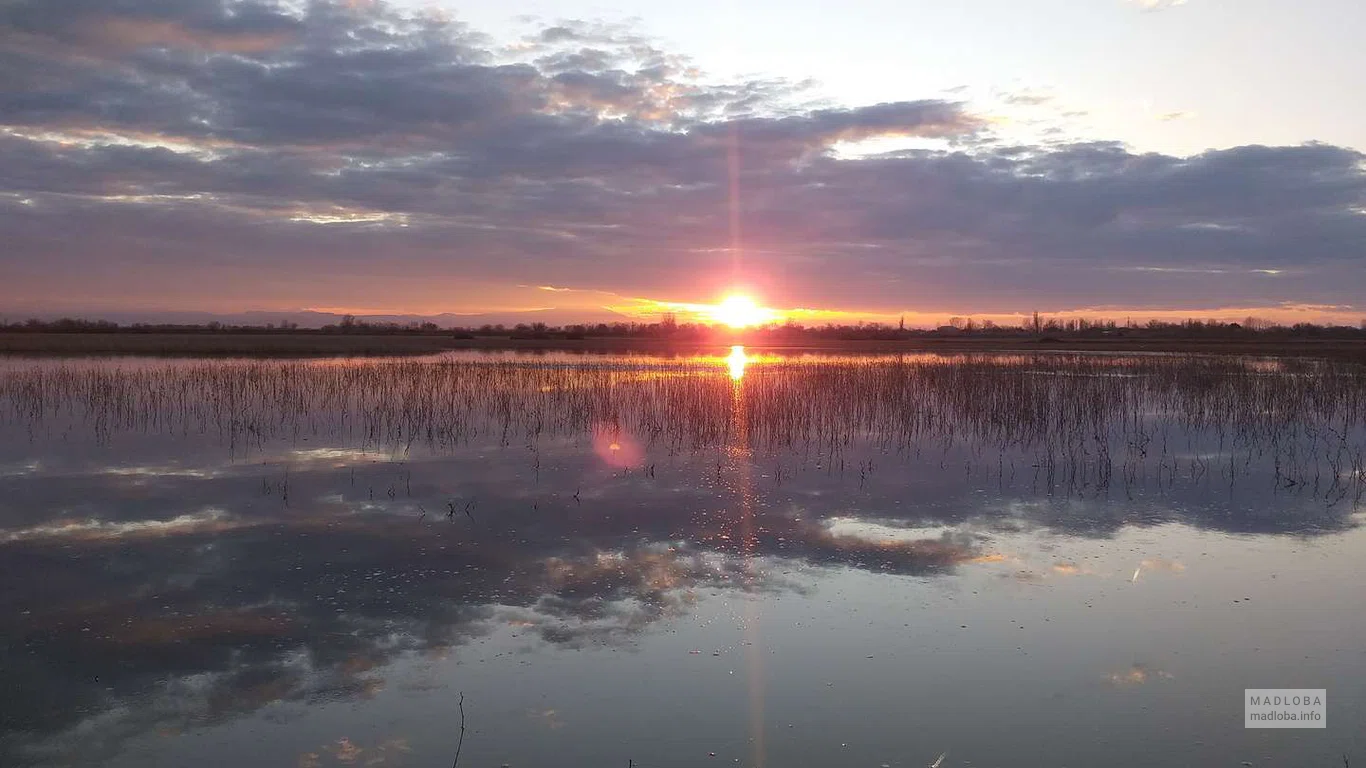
[1035, 326]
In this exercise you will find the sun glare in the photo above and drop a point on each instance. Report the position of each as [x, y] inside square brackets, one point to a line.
[739, 311]
[736, 362]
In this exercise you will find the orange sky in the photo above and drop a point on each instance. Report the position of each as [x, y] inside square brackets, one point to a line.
[650, 310]
[640, 309]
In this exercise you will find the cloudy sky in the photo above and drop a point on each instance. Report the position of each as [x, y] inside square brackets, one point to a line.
[989, 157]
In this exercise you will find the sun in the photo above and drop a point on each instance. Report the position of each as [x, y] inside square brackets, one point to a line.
[740, 311]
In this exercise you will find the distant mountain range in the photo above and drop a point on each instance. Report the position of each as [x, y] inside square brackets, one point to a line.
[312, 319]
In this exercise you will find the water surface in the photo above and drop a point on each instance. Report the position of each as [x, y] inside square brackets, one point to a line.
[1054, 560]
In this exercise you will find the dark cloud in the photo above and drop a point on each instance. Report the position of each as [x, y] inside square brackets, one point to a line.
[192, 135]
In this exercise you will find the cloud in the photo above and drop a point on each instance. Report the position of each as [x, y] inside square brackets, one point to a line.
[1028, 98]
[1157, 5]
[334, 154]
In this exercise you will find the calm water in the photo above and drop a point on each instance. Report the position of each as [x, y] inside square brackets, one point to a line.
[726, 560]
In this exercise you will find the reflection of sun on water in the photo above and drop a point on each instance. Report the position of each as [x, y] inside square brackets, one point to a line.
[740, 482]
[737, 362]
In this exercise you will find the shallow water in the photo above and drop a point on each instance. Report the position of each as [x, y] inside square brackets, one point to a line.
[732, 559]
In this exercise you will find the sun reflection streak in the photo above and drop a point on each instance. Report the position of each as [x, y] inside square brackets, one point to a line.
[737, 362]
[742, 483]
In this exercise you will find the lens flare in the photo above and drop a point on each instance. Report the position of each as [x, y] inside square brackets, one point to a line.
[616, 448]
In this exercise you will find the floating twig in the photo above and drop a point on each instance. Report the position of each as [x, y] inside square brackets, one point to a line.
[461, 743]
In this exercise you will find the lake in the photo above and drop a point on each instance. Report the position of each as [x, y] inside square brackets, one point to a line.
[739, 558]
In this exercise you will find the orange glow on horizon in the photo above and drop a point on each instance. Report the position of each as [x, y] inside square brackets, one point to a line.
[1286, 314]
[739, 310]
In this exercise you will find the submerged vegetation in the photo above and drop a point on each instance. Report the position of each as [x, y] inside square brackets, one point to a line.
[1063, 422]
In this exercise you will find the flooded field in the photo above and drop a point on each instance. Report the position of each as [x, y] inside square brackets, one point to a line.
[737, 559]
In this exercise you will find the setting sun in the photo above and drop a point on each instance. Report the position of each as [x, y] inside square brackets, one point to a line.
[739, 311]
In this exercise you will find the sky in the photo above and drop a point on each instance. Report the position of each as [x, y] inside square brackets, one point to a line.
[835, 161]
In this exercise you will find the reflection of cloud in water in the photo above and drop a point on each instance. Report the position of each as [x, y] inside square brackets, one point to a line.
[209, 521]
[21, 468]
[161, 471]
[547, 718]
[1027, 577]
[342, 455]
[211, 615]
[345, 752]
[882, 530]
[1137, 674]
[1163, 564]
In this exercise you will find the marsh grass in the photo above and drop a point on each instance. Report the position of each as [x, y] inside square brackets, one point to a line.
[1069, 422]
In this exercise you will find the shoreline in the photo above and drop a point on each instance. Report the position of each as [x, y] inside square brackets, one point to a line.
[397, 345]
